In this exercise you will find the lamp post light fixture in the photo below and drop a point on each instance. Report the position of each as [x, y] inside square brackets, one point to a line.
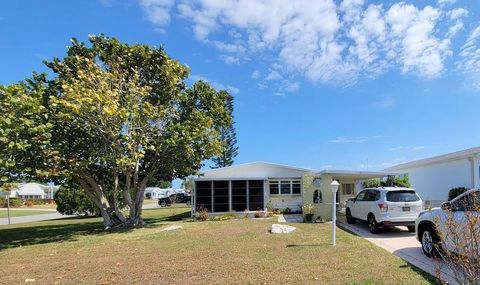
[334, 186]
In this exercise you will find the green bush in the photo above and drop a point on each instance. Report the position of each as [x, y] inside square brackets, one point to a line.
[73, 201]
[372, 183]
[454, 192]
[287, 210]
[400, 181]
[202, 214]
[225, 217]
[14, 202]
[3, 202]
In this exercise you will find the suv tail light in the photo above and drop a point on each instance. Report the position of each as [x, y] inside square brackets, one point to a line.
[383, 207]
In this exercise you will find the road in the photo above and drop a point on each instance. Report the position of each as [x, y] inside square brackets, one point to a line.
[50, 216]
[402, 243]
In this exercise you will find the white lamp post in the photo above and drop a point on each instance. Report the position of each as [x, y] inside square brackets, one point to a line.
[334, 186]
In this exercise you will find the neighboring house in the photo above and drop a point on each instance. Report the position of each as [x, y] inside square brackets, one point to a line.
[33, 191]
[157, 192]
[252, 186]
[433, 177]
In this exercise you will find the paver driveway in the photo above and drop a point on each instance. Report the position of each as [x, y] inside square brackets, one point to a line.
[402, 243]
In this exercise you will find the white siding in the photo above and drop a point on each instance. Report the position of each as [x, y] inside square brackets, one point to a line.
[433, 181]
[258, 170]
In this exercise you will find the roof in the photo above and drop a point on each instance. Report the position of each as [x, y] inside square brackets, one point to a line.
[31, 189]
[259, 163]
[436, 159]
[345, 174]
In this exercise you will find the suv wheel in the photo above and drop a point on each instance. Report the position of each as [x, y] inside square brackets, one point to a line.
[429, 239]
[189, 203]
[372, 224]
[163, 204]
[350, 218]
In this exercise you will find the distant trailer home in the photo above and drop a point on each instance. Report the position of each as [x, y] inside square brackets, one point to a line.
[251, 187]
[433, 177]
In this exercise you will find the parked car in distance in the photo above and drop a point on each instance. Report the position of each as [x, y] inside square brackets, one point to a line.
[443, 228]
[384, 207]
[164, 201]
[181, 198]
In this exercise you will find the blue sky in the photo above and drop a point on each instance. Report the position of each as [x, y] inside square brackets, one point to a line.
[319, 84]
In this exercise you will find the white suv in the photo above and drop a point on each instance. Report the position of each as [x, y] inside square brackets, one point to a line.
[455, 226]
[385, 206]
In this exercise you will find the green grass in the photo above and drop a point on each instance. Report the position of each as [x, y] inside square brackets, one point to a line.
[242, 251]
[19, 213]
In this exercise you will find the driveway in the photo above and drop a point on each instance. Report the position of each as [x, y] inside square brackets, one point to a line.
[402, 243]
[33, 218]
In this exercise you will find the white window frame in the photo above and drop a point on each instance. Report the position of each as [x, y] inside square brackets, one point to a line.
[344, 188]
[279, 186]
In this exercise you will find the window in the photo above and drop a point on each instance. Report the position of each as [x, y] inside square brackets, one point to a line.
[203, 190]
[347, 189]
[402, 196]
[371, 195]
[239, 195]
[285, 187]
[361, 196]
[255, 195]
[317, 196]
[220, 196]
[296, 186]
[470, 202]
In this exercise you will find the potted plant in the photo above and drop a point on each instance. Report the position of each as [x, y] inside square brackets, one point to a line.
[308, 212]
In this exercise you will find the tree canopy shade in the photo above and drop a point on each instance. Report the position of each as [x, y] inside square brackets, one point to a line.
[114, 117]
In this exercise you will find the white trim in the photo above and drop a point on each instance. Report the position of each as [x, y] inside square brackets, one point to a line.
[259, 163]
[440, 158]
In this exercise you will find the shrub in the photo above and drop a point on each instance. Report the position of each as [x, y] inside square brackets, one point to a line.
[372, 183]
[454, 192]
[286, 210]
[259, 214]
[3, 202]
[270, 207]
[308, 209]
[277, 211]
[72, 200]
[15, 202]
[224, 217]
[202, 214]
[29, 203]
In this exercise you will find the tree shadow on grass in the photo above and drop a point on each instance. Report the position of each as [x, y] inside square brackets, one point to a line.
[68, 229]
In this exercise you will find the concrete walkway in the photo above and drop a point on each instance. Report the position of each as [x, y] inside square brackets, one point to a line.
[291, 218]
[402, 243]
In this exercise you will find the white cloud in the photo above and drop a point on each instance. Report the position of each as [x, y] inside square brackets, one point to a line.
[157, 11]
[333, 42]
[469, 63]
[417, 147]
[229, 59]
[348, 140]
[255, 74]
[446, 2]
[292, 86]
[262, 86]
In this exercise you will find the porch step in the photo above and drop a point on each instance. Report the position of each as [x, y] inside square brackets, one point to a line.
[293, 218]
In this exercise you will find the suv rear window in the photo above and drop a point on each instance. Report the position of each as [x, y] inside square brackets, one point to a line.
[402, 196]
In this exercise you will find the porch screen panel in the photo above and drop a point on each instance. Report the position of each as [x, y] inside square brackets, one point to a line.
[203, 191]
[255, 195]
[220, 196]
[239, 195]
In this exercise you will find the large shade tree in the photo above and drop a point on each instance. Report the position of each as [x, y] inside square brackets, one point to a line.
[114, 117]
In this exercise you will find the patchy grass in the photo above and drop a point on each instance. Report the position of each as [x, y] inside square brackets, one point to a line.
[78, 251]
[19, 213]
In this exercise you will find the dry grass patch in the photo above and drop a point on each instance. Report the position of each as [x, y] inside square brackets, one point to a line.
[224, 252]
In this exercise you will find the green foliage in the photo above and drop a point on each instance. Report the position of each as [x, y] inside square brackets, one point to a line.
[454, 192]
[224, 217]
[74, 201]
[155, 182]
[228, 138]
[187, 185]
[400, 181]
[372, 183]
[286, 210]
[2, 202]
[14, 202]
[308, 209]
[113, 118]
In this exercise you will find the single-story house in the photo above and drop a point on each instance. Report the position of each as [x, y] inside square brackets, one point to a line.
[433, 177]
[255, 186]
[33, 191]
[157, 192]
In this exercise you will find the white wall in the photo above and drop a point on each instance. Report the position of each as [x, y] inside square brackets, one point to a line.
[433, 181]
[252, 170]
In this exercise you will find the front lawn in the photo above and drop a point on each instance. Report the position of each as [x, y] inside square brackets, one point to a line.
[19, 213]
[77, 251]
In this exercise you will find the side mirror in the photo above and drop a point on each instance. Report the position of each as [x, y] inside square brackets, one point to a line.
[446, 206]
[354, 199]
